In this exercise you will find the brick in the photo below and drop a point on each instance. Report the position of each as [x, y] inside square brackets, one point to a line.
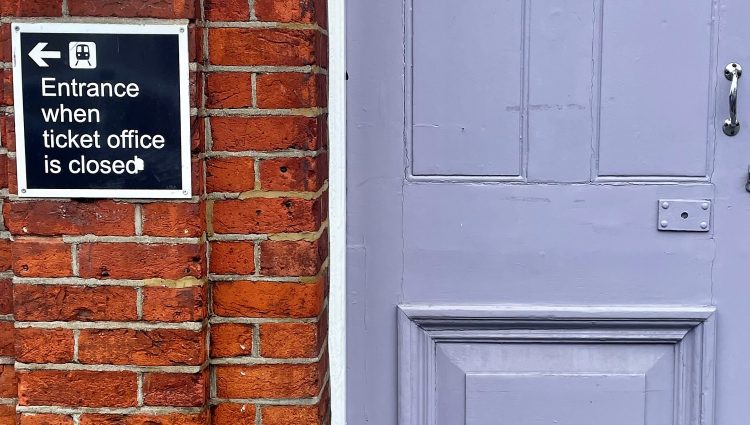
[197, 180]
[81, 303]
[232, 414]
[231, 340]
[174, 304]
[289, 340]
[77, 388]
[233, 257]
[236, 134]
[5, 43]
[293, 174]
[198, 134]
[23, 8]
[140, 261]
[41, 258]
[233, 174]
[8, 414]
[289, 90]
[266, 215]
[6, 91]
[290, 415]
[267, 299]
[292, 258]
[167, 419]
[227, 10]
[169, 9]
[158, 347]
[285, 10]
[3, 171]
[6, 339]
[8, 387]
[8, 132]
[173, 219]
[229, 89]
[53, 218]
[44, 345]
[251, 46]
[174, 389]
[267, 381]
[6, 296]
[45, 419]
[6, 255]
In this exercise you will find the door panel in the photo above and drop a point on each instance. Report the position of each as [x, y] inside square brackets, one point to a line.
[656, 77]
[511, 155]
[477, 109]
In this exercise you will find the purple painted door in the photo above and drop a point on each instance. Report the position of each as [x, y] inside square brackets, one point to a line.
[547, 224]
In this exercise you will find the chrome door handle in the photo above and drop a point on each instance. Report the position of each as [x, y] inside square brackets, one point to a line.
[732, 72]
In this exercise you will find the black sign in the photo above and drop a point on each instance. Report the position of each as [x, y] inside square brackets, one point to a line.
[101, 110]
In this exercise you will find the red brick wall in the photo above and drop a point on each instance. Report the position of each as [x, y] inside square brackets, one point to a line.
[207, 311]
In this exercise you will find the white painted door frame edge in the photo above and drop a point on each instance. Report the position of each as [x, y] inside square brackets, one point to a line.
[337, 208]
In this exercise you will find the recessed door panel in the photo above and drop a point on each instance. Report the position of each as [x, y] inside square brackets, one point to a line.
[466, 105]
[656, 88]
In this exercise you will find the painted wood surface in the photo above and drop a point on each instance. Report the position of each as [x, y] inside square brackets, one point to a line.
[513, 152]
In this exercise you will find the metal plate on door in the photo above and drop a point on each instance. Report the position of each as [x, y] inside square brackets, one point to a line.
[679, 215]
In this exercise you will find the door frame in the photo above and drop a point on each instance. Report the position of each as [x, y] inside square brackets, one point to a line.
[337, 209]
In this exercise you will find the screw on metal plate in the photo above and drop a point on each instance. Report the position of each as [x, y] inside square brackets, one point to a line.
[678, 215]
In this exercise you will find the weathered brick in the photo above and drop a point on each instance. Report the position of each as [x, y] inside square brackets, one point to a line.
[77, 388]
[8, 132]
[233, 257]
[175, 389]
[52, 218]
[229, 89]
[267, 381]
[140, 261]
[233, 174]
[8, 388]
[44, 345]
[8, 415]
[167, 419]
[232, 414]
[6, 296]
[231, 340]
[292, 258]
[6, 339]
[23, 8]
[6, 89]
[290, 90]
[227, 10]
[170, 9]
[45, 419]
[289, 340]
[5, 43]
[285, 10]
[266, 215]
[251, 46]
[3, 170]
[174, 304]
[158, 347]
[236, 134]
[65, 302]
[267, 299]
[42, 257]
[173, 219]
[293, 174]
[290, 415]
[6, 255]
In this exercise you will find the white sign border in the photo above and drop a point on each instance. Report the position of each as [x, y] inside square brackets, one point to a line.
[88, 28]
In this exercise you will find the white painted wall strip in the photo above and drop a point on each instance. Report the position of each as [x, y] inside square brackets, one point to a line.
[337, 206]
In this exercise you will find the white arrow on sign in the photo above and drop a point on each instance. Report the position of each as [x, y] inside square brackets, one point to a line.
[39, 55]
